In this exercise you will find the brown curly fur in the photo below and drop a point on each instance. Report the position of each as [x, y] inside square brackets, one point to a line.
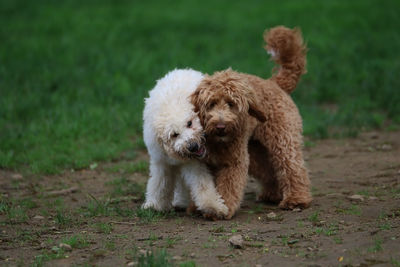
[244, 115]
[290, 54]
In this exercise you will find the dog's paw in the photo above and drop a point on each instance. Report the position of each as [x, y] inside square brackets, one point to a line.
[210, 216]
[291, 203]
[191, 209]
[268, 197]
[221, 209]
[156, 206]
[216, 211]
[150, 205]
[230, 214]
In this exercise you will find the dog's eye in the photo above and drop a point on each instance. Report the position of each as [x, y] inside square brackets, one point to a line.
[212, 104]
[175, 135]
[231, 104]
[189, 124]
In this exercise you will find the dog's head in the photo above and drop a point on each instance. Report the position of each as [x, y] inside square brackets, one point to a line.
[169, 118]
[224, 102]
[182, 138]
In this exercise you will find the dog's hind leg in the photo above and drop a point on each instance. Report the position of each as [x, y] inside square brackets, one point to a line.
[160, 187]
[261, 169]
[286, 157]
[202, 187]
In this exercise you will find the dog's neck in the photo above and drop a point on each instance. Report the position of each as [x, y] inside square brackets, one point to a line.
[217, 150]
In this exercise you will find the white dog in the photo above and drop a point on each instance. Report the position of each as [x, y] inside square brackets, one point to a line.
[174, 138]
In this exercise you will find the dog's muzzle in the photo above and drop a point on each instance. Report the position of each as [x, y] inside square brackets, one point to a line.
[220, 129]
[197, 150]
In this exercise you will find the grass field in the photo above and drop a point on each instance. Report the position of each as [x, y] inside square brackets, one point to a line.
[73, 74]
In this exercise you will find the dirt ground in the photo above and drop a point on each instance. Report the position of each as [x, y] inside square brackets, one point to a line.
[354, 219]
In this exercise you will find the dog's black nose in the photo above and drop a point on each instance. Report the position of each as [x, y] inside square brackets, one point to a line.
[193, 147]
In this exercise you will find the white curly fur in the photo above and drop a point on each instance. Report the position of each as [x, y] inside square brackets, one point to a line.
[175, 173]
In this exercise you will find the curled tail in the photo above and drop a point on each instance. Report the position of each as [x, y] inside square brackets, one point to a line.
[287, 48]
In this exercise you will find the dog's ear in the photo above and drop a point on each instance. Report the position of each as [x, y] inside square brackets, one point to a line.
[195, 99]
[255, 111]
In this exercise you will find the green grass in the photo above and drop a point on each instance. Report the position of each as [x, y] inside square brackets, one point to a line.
[40, 259]
[155, 259]
[394, 262]
[54, 253]
[314, 217]
[188, 264]
[377, 246]
[170, 242]
[385, 226]
[76, 241]
[97, 208]
[63, 218]
[256, 209]
[330, 230]
[353, 209]
[74, 73]
[218, 229]
[150, 215]
[110, 245]
[105, 228]
[338, 240]
[124, 187]
[103, 207]
[128, 167]
[16, 210]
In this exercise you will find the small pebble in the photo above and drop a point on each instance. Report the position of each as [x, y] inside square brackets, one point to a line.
[16, 177]
[236, 241]
[271, 215]
[65, 246]
[177, 258]
[386, 147]
[356, 197]
[38, 217]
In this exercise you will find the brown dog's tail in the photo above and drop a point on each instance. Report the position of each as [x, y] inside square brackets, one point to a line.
[287, 48]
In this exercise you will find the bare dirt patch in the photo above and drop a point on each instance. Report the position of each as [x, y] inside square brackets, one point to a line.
[353, 220]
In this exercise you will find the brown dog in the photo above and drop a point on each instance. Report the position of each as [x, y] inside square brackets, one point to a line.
[245, 115]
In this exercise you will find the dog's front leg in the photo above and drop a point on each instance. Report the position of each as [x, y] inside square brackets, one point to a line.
[181, 195]
[160, 187]
[231, 181]
[204, 194]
